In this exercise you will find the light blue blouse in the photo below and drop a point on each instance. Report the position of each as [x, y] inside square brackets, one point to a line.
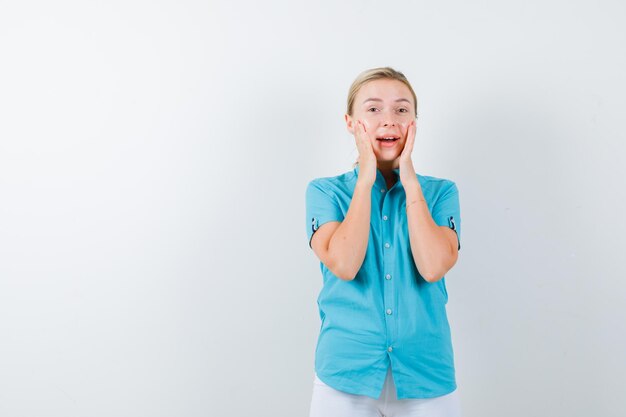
[388, 314]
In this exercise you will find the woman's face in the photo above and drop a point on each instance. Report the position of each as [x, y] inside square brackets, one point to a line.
[386, 107]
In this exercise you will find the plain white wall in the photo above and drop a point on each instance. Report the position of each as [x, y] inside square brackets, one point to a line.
[153, 163]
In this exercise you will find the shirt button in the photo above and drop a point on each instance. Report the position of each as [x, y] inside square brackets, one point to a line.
[387, 245]
[389, 349]
[384, 217]
[389, 311]
[382, 190]
[388, 276]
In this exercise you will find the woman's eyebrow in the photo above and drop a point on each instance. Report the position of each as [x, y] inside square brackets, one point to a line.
[378, 99]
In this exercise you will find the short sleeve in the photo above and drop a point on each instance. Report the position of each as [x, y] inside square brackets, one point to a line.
[321, 207]
[446, 211]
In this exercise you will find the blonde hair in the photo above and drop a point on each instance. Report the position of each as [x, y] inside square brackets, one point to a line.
[376, 74]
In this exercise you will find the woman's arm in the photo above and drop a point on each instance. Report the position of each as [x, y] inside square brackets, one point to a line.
[434, 247]
[341, 246]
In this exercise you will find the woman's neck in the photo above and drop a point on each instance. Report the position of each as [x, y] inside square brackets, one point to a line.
[386, 168]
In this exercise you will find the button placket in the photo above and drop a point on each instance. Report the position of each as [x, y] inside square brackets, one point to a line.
[388, 258]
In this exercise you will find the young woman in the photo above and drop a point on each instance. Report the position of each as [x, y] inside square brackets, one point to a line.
[385, 237]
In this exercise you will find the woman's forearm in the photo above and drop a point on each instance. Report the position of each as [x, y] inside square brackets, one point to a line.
[429, 246]
[348, 244]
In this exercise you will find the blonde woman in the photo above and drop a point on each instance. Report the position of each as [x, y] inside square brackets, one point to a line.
[385, 237]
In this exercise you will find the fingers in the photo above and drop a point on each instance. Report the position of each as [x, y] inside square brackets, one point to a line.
[363, 140]
[410, 139]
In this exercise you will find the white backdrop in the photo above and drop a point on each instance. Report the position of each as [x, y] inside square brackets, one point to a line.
[153, 163]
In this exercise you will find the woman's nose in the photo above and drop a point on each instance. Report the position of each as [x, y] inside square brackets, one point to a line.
[389, 118]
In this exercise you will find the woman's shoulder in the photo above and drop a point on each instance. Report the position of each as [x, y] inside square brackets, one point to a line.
[435, 184]
[433, 179]
[340, 180]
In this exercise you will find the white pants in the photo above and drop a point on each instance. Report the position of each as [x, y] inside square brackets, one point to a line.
[329, 402]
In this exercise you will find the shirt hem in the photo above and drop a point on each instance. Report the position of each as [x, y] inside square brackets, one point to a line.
[404, 396]
[356, 389]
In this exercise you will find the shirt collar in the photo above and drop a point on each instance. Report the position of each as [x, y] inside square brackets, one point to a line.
[379, 175]
[396, 170]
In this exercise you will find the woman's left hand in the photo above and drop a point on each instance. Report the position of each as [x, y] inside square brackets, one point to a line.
[407, 172]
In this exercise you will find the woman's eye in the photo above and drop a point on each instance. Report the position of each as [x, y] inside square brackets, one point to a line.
[403, 110]
[372, 109]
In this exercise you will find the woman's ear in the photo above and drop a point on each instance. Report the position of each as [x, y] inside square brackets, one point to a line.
[349, 123]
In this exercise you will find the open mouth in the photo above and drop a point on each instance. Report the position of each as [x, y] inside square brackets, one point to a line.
[388, 139]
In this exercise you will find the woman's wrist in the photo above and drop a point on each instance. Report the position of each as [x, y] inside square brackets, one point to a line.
[413, 193]
[362, 183]
[409, 203]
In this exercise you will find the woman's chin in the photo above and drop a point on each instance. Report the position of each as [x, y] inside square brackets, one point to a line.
[388, 160]
[387, 156]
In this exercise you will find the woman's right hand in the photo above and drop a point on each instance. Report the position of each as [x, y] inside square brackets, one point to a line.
[367, 158]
